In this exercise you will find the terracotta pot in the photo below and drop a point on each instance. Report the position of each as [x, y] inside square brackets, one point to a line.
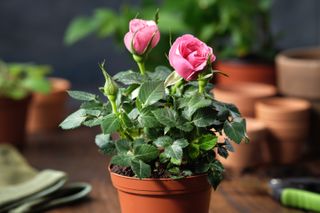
[315, 127]
[244, 95]
[246, 72]
[191, 194]
[47, 111]
[13, 115]
[287, 120]
[299, 72]
[252, 154]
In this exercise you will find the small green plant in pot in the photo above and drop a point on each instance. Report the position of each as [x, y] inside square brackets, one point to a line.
[17, 83]
[168, 123]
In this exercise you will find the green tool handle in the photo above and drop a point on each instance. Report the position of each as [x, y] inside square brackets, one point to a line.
[301, 199]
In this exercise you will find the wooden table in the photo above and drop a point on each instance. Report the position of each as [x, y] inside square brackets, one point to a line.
[75, 153]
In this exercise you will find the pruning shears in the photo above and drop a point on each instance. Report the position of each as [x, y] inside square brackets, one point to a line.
[303, 193]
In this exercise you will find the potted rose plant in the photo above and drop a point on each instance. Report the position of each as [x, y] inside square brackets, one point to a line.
[17, 83]
[168, 123]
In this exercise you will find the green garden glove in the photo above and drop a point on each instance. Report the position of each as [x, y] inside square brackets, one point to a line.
[24, 189]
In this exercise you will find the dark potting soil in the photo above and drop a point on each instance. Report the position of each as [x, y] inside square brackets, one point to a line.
[127, 171]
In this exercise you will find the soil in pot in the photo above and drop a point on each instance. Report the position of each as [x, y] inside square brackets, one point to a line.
[298, 72]
[287, 120]
[158, 195]
[13, 116]
[244, 95]
[246, 71]
[252, 154]
[47, 111]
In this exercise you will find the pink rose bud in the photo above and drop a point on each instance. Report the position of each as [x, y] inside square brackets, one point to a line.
[189, 56]
[141, 34]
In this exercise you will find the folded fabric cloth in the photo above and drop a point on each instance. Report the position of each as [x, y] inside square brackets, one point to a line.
[24, 189]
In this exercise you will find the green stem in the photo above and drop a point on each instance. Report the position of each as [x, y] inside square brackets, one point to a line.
[202, 85]
[141, 67]
[178, 84]
[112, 100]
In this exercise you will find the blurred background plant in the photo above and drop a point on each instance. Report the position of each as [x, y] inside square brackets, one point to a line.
[236, 29]
[18, 80]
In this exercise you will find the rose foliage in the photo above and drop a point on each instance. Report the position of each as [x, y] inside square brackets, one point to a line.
[168, 121]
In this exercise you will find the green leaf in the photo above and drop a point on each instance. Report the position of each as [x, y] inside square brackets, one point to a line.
[193, 150]
[74, 120]
[215, 174]
[122, 160]
[202, 168]
[147, 119]
[110, 124]
[235, 130]
[160, 73]
[228, 145]
[208, 142]
[104, 143]
[82, 96]
[141, 169]
[166, 116]
[172, 79]
[192, 104]
[223, 152]
[108, 22]
[151, 92]
[128, 77]
[146, 152]
[93, 122]
[175, 153]
[201, 118]
[79, 28]
[183, 143]
[91, 105]
[122, 146]
[163, 141]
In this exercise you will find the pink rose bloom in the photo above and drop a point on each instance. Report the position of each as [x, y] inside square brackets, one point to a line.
[141, 33]
[189, 56]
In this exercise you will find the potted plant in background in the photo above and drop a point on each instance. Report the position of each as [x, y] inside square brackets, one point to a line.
[48, 110]
[17, 82]
[168, 123]
[239, 30]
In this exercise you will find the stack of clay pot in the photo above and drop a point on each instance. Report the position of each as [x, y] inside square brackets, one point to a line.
[287, 121]
[48, 110]
[299, 76]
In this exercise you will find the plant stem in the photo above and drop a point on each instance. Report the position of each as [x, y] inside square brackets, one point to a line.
[202, 84]
[141, 67]
[112, 100]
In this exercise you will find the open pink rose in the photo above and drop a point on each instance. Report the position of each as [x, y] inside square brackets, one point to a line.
[189, 56]
[141, 33]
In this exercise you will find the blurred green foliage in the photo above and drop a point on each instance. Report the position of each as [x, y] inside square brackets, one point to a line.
[236, 29]
[18, 80]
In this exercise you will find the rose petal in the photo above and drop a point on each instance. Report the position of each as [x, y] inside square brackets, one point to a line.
[127, 40]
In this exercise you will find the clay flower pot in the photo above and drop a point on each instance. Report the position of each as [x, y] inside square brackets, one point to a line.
[13, 115]
[299, 72]
[244, 95]
[47, 111]
[191, 194]
[241, 71]
[252, 154]
[287, 120]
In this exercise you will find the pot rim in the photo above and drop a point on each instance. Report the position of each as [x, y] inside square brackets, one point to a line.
[155, 179]
[301, 55]
[244, 89]
[280, 104]
[59, 84]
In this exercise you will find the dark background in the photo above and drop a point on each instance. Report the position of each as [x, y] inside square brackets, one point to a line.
[33, 30]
